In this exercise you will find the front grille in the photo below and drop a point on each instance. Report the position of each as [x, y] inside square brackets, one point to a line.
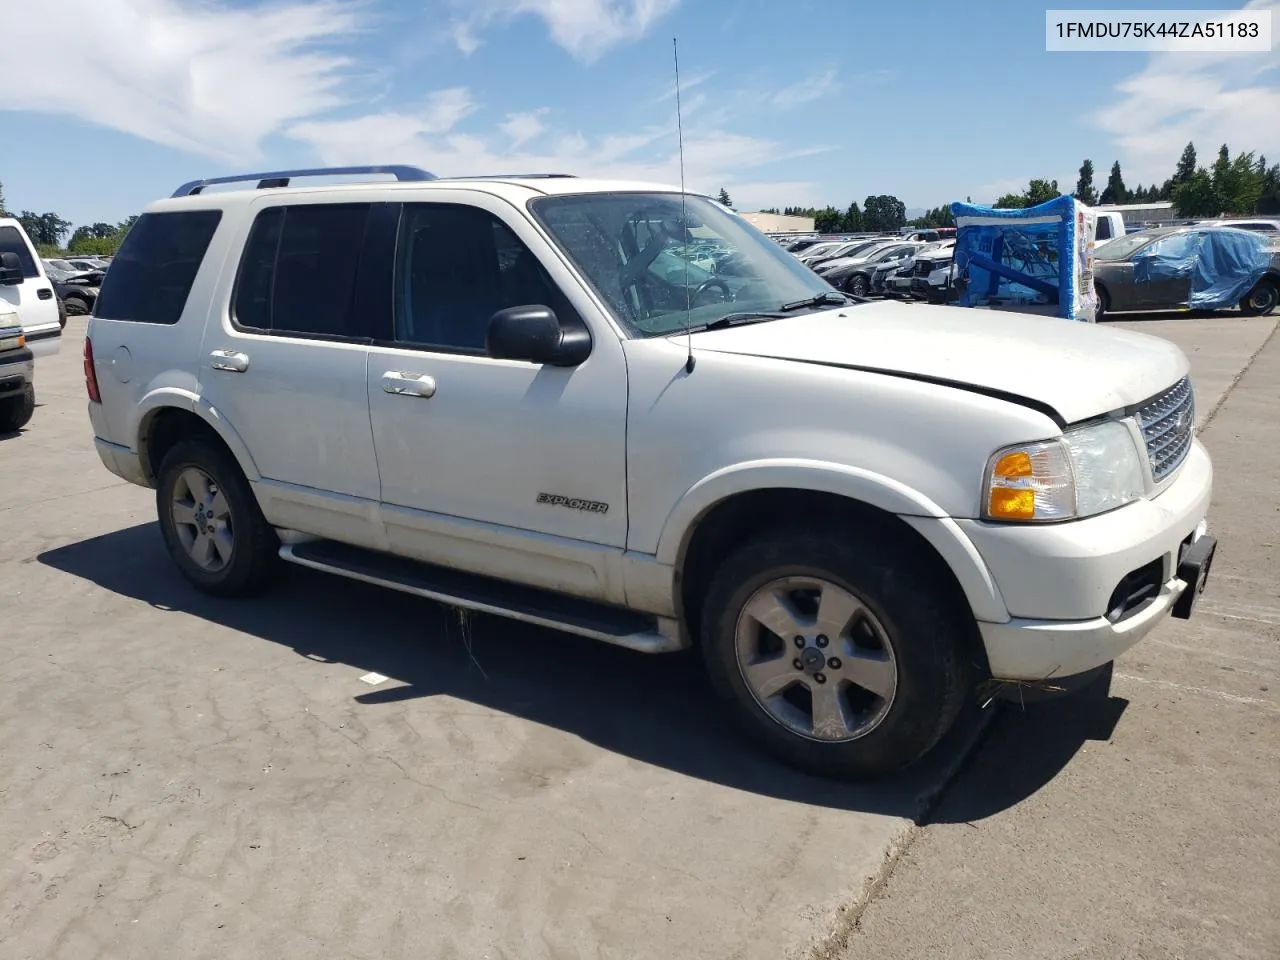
[1168, 424]
[924, 268]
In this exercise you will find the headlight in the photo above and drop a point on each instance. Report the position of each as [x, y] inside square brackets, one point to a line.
[1088, 471]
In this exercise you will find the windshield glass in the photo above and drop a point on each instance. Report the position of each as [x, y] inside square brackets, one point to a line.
[660, 271]
[1121, 247]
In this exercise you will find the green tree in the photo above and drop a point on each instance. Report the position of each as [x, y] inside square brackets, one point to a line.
[1197, 197]
[1085, 192]
[84, 243]
[1115, 191]
[1269, 198]
[44, 228]
[724, 197]
[125, 225]
[1041, 191]
[827, 220]
[883, 213]
[851, 222]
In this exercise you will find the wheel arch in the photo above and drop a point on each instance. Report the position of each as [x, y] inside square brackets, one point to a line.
[168, 416]
[729, 508]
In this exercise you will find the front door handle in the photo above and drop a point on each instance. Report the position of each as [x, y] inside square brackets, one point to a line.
[408, 384]
[229, 360]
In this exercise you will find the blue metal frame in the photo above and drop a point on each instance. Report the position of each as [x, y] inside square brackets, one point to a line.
[281, 178]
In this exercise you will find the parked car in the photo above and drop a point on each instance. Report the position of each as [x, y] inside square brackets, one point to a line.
[79, 293]
[29, 290]
[1270, 227]
[1122, 288]
[932, 275]
[843, 251]
[507, 395]
[854, 273]
[818, 250]
[17, 369]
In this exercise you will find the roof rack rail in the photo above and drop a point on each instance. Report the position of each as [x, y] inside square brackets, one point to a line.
[281, 178]
[517, 176]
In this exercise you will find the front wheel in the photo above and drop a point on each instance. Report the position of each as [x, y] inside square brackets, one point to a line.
[211, 521]
[857, 285]
[76, 307]
[1261, 300]
[834, 656]
[1104, 304]
[16, 412]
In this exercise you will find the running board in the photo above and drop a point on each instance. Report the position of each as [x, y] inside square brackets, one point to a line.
[470, 591]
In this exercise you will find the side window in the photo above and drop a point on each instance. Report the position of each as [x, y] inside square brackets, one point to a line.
[11, 242]
[152, 272]
[1104, 229]
[1177, 247]
[298, 271]
[456, 266]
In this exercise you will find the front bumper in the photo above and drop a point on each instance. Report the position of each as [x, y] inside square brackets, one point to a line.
[1081, 593]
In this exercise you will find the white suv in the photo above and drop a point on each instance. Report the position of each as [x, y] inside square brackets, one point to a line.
[518, 395]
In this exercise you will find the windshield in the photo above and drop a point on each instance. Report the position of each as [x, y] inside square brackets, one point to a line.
[660, 271]
[1121, 247]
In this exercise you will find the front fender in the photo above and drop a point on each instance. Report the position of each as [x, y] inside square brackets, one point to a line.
[871, 488]
[918, 511]
[176, 397]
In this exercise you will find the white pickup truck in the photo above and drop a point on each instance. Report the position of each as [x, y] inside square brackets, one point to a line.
[506, 394]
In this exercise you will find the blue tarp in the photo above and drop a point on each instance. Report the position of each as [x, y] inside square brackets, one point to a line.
[1028, 255]
[1223, 265]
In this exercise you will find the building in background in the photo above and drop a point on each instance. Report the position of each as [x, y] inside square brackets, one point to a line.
[778, 223]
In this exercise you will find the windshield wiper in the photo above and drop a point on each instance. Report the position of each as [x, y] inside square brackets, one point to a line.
[831, 297]
[739, 319]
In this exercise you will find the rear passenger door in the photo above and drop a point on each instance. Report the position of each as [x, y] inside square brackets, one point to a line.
[284, 363]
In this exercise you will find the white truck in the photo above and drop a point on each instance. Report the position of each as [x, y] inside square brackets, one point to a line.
[504, 394]
[1110, 225]
[30, 291]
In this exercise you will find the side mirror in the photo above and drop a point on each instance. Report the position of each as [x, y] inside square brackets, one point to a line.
[534, 333]
[10, 269]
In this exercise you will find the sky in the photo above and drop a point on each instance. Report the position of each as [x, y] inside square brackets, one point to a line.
[802, 102]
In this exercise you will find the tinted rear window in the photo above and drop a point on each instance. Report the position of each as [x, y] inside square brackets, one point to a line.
[298, 273]
[152, 273]
[11, 242]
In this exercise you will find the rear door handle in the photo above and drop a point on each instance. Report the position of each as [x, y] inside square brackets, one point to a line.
[229, 360]
[408, 384]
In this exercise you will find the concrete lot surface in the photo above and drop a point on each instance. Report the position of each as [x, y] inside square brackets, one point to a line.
[183, 777]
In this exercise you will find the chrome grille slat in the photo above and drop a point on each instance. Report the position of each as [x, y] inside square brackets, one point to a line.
[1168, 426]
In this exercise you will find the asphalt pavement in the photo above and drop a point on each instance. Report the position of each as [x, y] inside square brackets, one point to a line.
[185, 777]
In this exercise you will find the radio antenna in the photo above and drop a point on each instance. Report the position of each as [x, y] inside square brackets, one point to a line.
[684, 220]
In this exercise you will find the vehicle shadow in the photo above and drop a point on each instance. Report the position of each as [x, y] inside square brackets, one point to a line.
[656, 709]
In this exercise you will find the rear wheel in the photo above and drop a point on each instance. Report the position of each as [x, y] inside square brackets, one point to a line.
[1261, 300]
[1104, 304]
[211, 521]
[833, 655]
[77, 307]
[16, 412]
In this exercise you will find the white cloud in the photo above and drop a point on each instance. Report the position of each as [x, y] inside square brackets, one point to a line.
[814, 87]
[713, 158]
[1205, 98]
[214, 80]
[585, 28]
[523, 127]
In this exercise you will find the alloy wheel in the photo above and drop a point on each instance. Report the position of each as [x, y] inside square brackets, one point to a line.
[816, 659]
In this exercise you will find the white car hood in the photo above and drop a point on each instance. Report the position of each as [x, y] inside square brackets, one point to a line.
[1079, 370]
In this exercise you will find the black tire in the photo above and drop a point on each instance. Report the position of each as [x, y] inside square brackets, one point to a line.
[857, 285]
[255, 552]
[16, 412]
[1104, 304]
[1261, 300]
[77, 307]
[932, 666]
